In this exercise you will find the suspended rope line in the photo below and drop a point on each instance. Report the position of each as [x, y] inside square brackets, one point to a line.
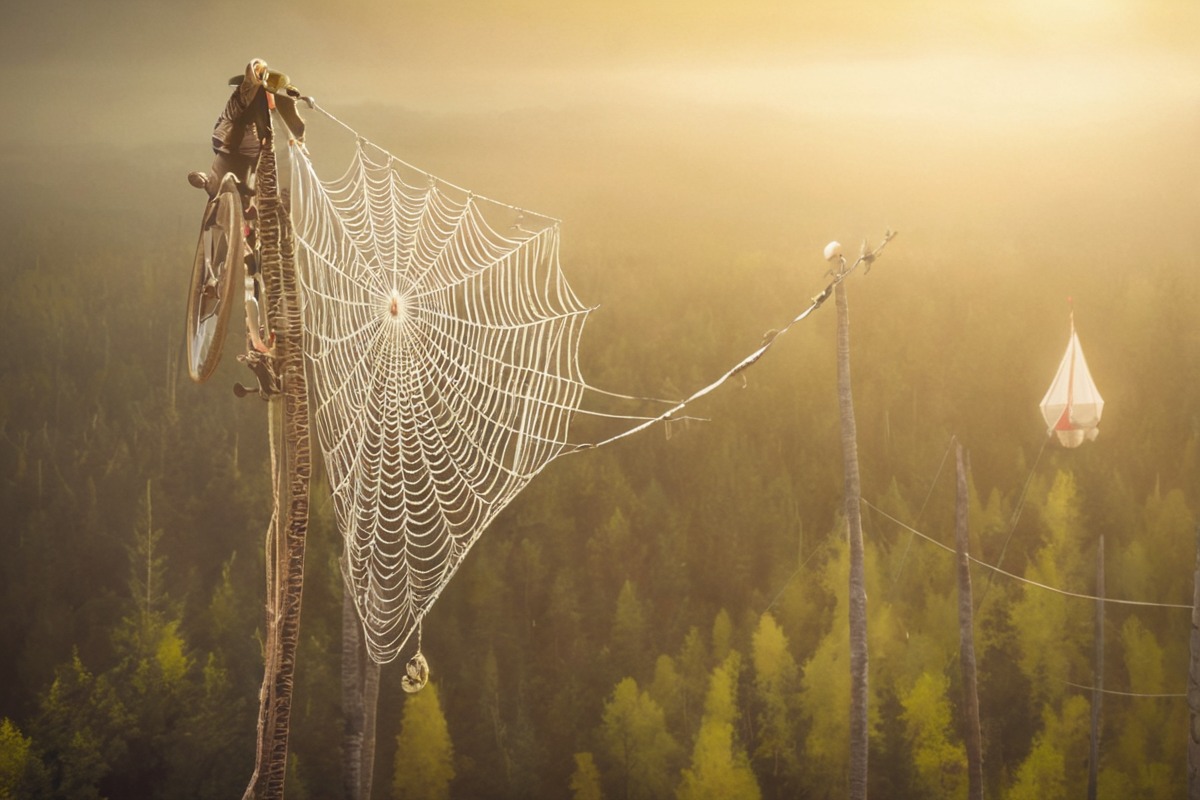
[1012, 526]
[1016, 577]
[816, 302]
[1116, 692]
[929, 494]
[792, 577]
[749, 360]
[933, 484]
[1123, 694]
[1011, 659]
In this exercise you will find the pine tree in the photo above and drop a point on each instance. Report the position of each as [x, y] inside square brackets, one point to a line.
[1141, 755]
[693, 671]
[720, 766]
[776, 684]
[639, 747]
[629, 629]
[81, 730]
[939, 760]
[585, 780]
[722, 637]
[154, 677]
[21, 773]
[1053, 629]
[425, 756]
[667, 689]
[1053, 765]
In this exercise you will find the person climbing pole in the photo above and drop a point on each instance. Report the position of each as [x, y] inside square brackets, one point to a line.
[244, 128]
[241, 132]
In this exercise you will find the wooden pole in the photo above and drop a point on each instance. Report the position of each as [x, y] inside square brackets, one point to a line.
[966, 633]
[289, 524]
[352, 701]
[1193, 693]
[1098, 688]
[360, 703]
[859, 729]
[370, 690]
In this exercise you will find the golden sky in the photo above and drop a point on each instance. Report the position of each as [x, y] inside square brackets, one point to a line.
[127, 70]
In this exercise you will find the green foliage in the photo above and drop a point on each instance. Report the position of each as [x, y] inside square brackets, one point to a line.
[14, 756]
[1054, 765]
[21, 773]
[776, 691]
[939, 760]
[1053, 629]
[718, 769]
[667, 690]
[1140, 754]
[720, 766]
[425, 757]
[81, 728]
[1041, 776]
[639, 749]
[611, 550]
[722, 636]
[693, 669]
[585, 780]
[629, 628]
[826, 673]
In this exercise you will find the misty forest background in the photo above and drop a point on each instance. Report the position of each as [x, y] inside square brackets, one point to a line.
[670, 610]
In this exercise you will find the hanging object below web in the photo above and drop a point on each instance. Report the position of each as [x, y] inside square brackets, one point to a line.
[416, 674]
[1072, 405]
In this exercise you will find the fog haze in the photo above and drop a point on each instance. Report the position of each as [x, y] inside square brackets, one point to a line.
[1059, 138]
[700, 156]
[132, 71]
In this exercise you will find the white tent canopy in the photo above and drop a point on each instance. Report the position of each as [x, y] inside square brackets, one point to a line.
[1072, 405]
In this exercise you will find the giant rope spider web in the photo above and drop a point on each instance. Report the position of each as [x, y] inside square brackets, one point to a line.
[441, 341]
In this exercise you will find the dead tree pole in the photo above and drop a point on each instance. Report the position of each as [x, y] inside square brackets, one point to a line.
[288, 530]
[1193, 692]
[370, 693]
[1098, 688]
[352, 700]
[859, 725]
[360, 701]
[859, 729]
[966, 628]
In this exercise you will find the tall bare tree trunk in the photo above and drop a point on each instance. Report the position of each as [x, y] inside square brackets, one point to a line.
[352, 705]
[966, 635]
[1098, 689]
[858, 592]
[360, 701]
[1193, 693]
[370, 701]
[289, 523]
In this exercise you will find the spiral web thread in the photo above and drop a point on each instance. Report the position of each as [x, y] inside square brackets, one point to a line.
[443, 350]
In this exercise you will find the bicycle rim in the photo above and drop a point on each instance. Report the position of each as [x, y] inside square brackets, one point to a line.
[219, 254]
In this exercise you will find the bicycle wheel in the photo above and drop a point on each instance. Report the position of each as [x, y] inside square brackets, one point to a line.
[215, 271]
